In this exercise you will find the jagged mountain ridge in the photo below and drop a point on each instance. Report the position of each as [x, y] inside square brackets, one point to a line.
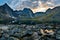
[53, 14]
[27, 14]
[6, 13]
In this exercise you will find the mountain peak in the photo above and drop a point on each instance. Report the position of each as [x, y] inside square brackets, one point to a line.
[5, 5]
[48, 9]
[26, 9]
[58, 7]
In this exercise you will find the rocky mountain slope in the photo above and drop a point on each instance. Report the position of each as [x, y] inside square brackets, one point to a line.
[51, 15]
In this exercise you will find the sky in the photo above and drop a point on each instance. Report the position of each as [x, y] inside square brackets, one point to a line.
[34, 5]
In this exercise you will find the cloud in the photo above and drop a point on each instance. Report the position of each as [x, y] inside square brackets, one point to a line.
[43, 5]
[29, 4]
[35, 5]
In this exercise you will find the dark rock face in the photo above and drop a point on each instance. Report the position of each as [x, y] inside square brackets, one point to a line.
[39, 14]
[28, 12]
[5, 9]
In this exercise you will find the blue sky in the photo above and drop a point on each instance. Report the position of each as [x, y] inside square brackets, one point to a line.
[35, 5]
[2, 2]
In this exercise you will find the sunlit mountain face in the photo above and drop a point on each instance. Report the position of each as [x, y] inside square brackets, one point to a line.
[35, 5]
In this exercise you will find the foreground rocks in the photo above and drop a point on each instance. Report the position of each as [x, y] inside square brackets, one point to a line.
[29, 32]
